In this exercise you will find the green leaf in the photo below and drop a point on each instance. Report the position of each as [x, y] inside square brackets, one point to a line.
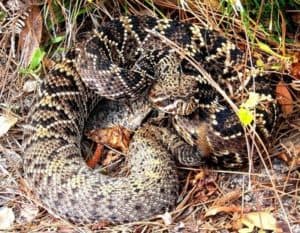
[36, 59]
[57, 39]
[245, 116]
[266, 48]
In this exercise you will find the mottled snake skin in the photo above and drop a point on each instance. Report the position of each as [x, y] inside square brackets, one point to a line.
[122, 59]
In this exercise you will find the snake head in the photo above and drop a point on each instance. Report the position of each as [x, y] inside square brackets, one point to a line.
[176, 95]
[194, 130]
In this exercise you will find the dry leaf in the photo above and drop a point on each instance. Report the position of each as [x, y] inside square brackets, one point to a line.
[116, 137]
[167, 218]
[261, 220]
[30, 86]
[6, 122]
[7, 217]
[218, 209]
[205, 184]
[94, 160]
[30, 36]
[295, 70]
[228, 197]
[284, 98]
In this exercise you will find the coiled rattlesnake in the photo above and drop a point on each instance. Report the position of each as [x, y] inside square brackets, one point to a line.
[122, 59]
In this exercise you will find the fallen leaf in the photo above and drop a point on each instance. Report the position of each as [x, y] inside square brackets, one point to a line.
[218, 209]
[7, 217]
[261, 220]
[6, 122]
[284, 156]
[94, 160]
[31, 34]
[284, 98]
[116, 137]
[30, 86]
[167, 218]
[228, 197]
[205, 186]
[295, 70]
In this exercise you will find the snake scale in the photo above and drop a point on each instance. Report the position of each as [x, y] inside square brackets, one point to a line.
[122, 59]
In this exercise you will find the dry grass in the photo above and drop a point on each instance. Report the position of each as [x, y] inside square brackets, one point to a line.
[273, 187]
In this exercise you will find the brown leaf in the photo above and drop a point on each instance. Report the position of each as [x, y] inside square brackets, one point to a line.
[227, 209]
[261, 220]
[30, 36]
[7, 121]
[94, 160]
[205, 186]
[284, 98]
[116, 137]
[284, 156]
[295, 70]
[228, 197]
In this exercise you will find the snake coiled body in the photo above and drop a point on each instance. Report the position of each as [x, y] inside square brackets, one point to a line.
[119, 60]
